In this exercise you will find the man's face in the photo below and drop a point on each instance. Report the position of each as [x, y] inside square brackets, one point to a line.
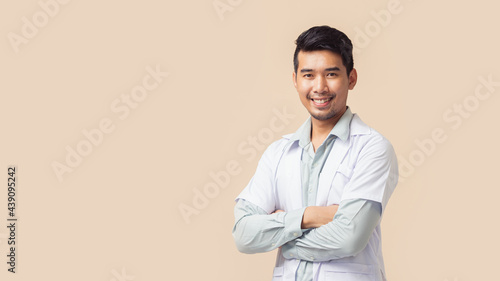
[322, 83]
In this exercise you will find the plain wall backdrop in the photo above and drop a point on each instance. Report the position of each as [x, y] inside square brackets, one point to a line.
[109, 147]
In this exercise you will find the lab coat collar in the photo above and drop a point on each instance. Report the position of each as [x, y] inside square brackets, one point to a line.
[340, 130]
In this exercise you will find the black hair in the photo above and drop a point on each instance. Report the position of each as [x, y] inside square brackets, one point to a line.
[325, 38]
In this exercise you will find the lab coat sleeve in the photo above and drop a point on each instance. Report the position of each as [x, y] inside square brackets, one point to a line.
[347, 235]
[260, 190]
[255, 231]
[374, 173]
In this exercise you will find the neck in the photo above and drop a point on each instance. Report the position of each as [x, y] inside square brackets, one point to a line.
[321, 128]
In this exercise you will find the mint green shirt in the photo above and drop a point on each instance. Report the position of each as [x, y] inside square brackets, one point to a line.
[257, 231]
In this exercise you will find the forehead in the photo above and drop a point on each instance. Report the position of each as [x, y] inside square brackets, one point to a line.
[319, 59]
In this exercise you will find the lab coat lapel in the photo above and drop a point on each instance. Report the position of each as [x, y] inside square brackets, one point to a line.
[289, 179]
[335, 157]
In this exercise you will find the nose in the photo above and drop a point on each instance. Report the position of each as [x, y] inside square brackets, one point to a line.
[320, 86]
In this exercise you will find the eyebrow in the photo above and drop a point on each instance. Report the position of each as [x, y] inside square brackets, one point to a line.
[332, 69]
[326, 69]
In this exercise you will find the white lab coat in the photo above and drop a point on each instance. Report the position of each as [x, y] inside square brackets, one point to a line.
[364, 166]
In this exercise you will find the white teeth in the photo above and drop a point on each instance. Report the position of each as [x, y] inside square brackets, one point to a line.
[321, 101]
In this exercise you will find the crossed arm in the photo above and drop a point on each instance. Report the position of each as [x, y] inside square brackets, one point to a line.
[313, 233]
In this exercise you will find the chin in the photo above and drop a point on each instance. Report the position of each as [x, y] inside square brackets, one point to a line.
[322, 116]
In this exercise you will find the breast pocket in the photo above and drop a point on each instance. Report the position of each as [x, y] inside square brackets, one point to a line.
[349, 272]
[340, 179]
[278, 273]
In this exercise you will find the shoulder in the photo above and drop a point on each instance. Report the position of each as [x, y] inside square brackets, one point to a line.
[275, 151]
[277, 147]
[367, 137]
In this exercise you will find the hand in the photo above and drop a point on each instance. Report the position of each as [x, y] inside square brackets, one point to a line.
[316, 216]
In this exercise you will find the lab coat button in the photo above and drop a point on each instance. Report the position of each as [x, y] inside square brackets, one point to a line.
[295, 234]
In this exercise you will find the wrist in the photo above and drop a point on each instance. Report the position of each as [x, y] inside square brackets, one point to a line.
[308, 218]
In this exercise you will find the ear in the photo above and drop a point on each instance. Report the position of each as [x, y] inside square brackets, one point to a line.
[353, 78]
[294, 78]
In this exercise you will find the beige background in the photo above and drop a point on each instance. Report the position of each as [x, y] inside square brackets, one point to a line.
[116, 215]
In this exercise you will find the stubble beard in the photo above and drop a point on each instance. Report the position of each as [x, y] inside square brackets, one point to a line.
[323, 117]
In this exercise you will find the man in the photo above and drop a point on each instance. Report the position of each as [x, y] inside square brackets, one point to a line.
[319, 194]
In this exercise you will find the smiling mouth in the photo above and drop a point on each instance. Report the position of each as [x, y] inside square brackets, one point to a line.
[322, 101]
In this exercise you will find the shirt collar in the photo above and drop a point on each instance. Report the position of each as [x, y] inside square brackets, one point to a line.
[340, 130]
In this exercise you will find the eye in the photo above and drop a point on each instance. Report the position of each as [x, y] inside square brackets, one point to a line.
[331, 74]
[308, 75]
